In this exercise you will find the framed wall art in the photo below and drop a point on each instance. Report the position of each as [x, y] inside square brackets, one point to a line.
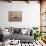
[15, 15]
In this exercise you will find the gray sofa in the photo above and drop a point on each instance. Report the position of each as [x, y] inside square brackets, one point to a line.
[17, 35]
[22, 38]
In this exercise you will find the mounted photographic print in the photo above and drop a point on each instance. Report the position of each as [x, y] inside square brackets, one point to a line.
[15, 15]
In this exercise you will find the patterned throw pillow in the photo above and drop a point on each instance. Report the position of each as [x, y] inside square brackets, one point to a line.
[17, 30]
[11, 30]
[23, 31]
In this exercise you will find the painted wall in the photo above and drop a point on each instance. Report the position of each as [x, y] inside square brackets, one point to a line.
[30, 14]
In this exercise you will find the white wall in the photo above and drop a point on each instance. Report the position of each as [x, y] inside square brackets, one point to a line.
[30, 14]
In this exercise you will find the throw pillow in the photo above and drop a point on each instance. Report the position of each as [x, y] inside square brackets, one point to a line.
[17, 30]
[23, 31]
